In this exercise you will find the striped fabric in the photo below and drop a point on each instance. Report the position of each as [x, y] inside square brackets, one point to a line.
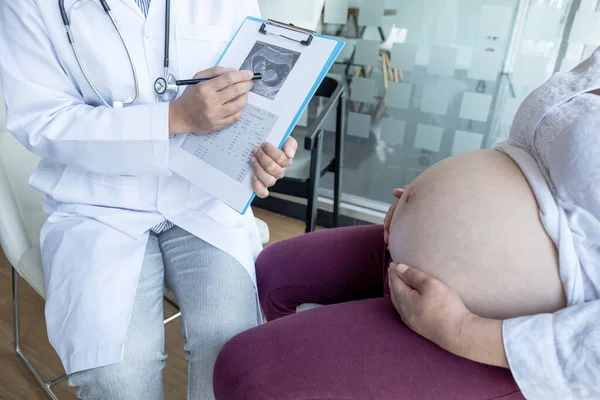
[162, 227]
[144, 5]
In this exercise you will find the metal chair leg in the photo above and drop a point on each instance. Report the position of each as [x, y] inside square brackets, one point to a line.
[312, 205]
[340, 127]
[46, 386]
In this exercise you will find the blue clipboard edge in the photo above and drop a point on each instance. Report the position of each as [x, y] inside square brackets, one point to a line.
[336, 52]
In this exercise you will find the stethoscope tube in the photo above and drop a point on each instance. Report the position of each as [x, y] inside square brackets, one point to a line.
[166, 87]
[67, 23]
[167, 34]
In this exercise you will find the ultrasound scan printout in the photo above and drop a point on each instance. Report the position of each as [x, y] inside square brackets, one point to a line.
[274, 63]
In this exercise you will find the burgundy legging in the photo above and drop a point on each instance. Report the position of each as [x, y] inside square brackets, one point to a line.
[355, 348]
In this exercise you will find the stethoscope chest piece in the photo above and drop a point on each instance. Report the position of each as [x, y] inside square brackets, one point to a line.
[166, 87]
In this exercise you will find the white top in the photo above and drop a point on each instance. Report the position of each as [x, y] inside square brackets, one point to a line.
[555, 139]
[106, 171]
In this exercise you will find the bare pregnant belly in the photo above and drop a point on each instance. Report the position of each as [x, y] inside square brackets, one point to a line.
[472, 221]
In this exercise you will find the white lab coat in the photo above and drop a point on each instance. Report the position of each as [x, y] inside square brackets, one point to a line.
[106, 171]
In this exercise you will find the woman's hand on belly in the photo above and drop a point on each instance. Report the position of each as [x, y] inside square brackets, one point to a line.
[436, 312]
[387, 221]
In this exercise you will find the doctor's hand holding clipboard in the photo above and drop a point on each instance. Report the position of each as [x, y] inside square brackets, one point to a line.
[217, 103]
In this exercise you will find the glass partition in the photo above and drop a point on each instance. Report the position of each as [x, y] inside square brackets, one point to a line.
[433, 78]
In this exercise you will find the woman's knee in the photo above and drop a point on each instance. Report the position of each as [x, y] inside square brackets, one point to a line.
[238, 370]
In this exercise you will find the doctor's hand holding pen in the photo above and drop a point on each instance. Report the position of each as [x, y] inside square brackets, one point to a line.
[217, 103]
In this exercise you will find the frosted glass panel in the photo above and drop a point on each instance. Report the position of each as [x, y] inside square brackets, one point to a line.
[347, 51]
[429, 137]
[303, 120]
[359, 125]
[543, 23]
[485, 65]
[475, 106]
[531, 70]
[398, 95]
[435, 100]
[404, 56]
[367, 52]
[410, 15]
[290, 11]
[442, 61]
[330, 121]
[371, 13]
[510, 110]
[363, 90]
[393, 131]
[568, 64]
[586, 28]
[495, 21]
[449, 96]
[336, 12]
[466, 141]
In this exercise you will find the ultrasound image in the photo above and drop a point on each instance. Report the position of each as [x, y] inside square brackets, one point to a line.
[274, 63]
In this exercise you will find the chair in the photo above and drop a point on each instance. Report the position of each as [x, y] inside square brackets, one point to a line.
[21, 219]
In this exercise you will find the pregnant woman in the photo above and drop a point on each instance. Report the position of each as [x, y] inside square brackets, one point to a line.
[483, 283]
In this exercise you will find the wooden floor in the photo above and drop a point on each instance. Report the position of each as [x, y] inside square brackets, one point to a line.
[15, 381]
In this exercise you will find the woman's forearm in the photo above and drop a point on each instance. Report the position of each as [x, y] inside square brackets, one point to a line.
[480, 340]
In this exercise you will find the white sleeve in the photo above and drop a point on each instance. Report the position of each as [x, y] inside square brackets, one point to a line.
[556, 356]
[49, 116]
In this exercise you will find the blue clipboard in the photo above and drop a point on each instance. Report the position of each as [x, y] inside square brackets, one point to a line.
[335, 53]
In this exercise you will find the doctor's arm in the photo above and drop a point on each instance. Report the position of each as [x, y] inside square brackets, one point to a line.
[46, 112]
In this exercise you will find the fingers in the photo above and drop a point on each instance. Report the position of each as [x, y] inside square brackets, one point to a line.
[290, 147]
[230, 120]
[387, 221]
[388, 217]
[259, 188]
[234, 91]
[272, 160]
[261, 180]
[234, 106]
[269, 164]
[229, 78]
[414, 278]
[401, 292]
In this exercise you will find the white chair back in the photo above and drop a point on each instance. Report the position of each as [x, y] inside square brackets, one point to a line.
[21, 213]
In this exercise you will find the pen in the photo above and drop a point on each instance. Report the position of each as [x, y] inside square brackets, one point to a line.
[257, 76]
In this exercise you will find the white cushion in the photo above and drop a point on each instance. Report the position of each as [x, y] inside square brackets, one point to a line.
[21, 214]
[263, 229]
[307, 307]
[30, 268]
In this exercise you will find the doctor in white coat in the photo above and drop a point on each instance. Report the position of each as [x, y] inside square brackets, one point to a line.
[121, 224]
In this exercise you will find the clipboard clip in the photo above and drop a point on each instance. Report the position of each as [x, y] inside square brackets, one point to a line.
[291, 27]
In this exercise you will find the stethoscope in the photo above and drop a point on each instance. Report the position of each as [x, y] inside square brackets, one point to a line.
[166, 87]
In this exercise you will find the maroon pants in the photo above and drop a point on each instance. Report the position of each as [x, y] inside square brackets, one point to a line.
[355, 348]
